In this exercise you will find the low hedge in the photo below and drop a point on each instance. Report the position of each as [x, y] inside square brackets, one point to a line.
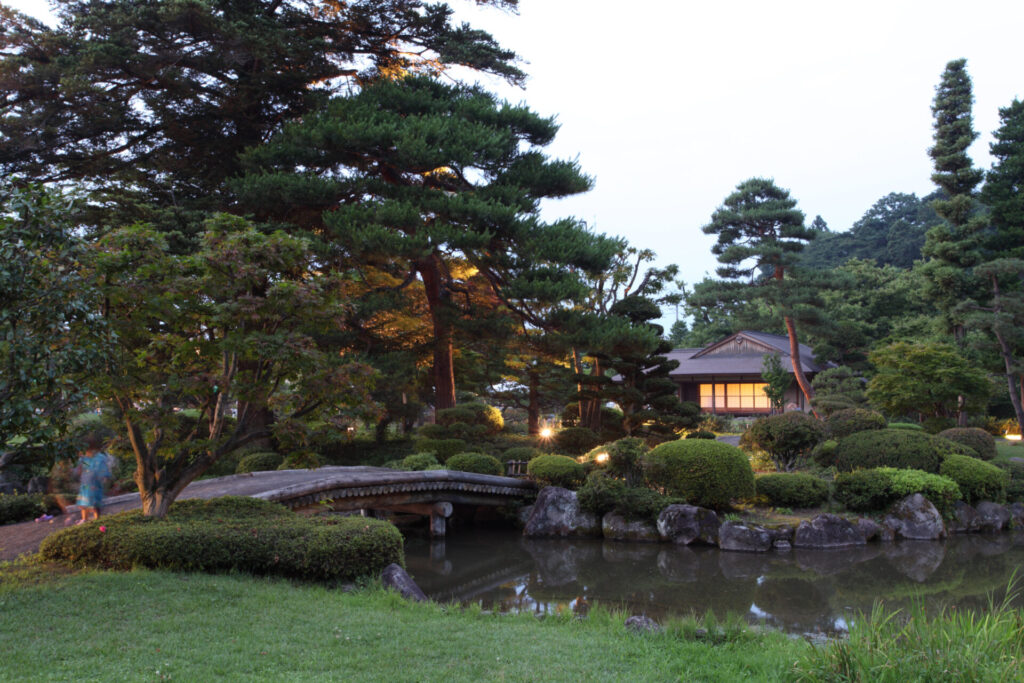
[899, 448]
[475, 462]
[521, 453]
[419, 461]
[704, 473]
[977, 480]
[20, 507]
[849, 421]
[232, 534]
[555, 470]
[260, 461]
[876, 489]
[792, 489]
[983, 443]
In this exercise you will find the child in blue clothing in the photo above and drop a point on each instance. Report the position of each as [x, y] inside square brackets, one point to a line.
[94, 472]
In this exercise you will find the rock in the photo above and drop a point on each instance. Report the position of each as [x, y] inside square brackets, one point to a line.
[965, 519]
[781, 533]
[395, 577]
[557, 513]
[39, 484]
[783, 546]
[992, 516]
[523, 514]
[868, 528]
[685, 524]
[1016, 515]
[616, 527]
[739, 536]
[641, 624]
[916, 518]
[827, 531]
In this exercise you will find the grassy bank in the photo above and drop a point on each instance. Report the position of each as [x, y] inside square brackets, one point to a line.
[155, 625]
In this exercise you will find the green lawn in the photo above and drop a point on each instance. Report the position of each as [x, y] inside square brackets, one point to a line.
[154, 625]
[1008, 449]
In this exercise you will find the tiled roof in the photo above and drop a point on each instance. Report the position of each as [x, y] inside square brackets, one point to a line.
[698, 362]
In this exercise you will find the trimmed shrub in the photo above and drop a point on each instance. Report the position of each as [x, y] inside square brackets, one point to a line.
[602, 494]
[20, 507]
[419, 461]
[913, 426]
[899, 448]
[852, 420]
[260, 461]
[701, 434]
[555, 470]
[474, 462]
[576, 440]
[441, 448]
[977, 480]
[300, 461]
[433, 431]
[705, 473]
[977, 439]
[786, 437]
[942, 491]
[1015, 481]
[521, 453]
[863, 490]
[232, 534]
[825, 453]
[792, 490]
[468, 419]
[625, 459]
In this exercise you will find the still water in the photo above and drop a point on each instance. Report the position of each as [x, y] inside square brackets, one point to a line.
[801, 591]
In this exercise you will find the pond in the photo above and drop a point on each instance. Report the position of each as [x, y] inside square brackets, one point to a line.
[801, 591]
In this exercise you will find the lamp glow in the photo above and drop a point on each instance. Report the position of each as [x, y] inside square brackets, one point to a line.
[546, 433]
[1013, 437]
[601, 458]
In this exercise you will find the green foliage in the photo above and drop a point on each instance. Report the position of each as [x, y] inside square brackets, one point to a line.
[900, 448]
[576, 440]
[778, 379]
[625, 459]
[303, 460]
[555, 470]
[364, 451]
[419, 461]
[977, 480]
[20, 507]
[825, 453]
[912, 426]
[872, 490]
[786, 437]
[700, 434]
[465, 420]
[704, 473]
[260, 461]
[792, 489]
[602, 494]
[842, 423]
[977, 439]
[475, 462]
[1014, 481]
[521, 453]
[838, 389]
[230, 534]
[441, 448]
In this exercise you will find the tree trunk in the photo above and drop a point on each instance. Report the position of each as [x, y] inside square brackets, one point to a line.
[381, 430]
[960, 334]
[437, 303]
[798, 371]
[1014, 382]
[533, 404]
[590, 409]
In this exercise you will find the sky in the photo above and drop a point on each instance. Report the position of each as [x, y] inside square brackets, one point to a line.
[670, 105]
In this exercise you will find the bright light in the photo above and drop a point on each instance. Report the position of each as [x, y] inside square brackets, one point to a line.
[601, 458]
[547, 433]
[1013, 437]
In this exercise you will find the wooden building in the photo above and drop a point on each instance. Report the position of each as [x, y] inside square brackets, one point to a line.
[725, 377]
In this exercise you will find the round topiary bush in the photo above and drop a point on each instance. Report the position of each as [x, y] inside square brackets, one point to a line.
[555, 470]
[792, 489]
[260, 461]
[576, 440]
[842, 423]
[977, 480]
[786, 437]
[474, 462]
[899, 448]
[704, 473]
[418, 462]
[912, 426]
[521, 453]
[979, 440]
[600, 493]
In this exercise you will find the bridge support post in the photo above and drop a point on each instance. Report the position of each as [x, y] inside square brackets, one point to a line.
[439, 512]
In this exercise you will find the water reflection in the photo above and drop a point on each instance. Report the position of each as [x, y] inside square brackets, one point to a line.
[799, 591]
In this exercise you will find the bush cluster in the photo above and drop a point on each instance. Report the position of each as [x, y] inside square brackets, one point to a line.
[232, 534]
[260, 461]
[900, 448]
[704, 473]
[466, 421]
[602, 494]
[843, 423]
[576, 440]
[555, 470]
[976, 439]
[419, 461]
[305, 460]
[792, 489]
[876, 489]
[20, 507]
[701, 434]
[912, 426]
[441, 448]
[786, 437]
[365, 451]
[1014, 482]
[625, 459]
[521, 453]
[475, 462]
[977, 480]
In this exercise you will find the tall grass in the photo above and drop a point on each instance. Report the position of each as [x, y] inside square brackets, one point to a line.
[913, 646]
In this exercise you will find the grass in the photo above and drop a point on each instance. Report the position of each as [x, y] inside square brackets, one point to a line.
[156, 625]
[1008, 449]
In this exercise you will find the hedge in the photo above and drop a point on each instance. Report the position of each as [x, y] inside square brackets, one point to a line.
[20, 507]
[899, 448]
[704, 473]
[786, 437]
[475, 462]
[521, 453]
[977, 480]
[976, 439]
[876, 489]
[602, 494]
[792, 489]
[418, 462]
[260, 461]
[555, 470]
[232, 534]
[843, 423]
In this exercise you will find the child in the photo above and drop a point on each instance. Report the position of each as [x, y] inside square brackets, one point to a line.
[94, 470]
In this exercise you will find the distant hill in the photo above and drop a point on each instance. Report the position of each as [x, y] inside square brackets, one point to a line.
[890, 232]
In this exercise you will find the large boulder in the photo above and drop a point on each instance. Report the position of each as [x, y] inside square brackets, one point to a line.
[872, 530]
[915, 518]
[1016, 515]
[616, 527]
[557, 513]
[993, 516]
[394, 576]
[827, 531]
[965, 519]
[684, 524]
[743, 537]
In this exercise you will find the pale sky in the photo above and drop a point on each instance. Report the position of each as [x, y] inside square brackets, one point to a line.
[669, 105]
